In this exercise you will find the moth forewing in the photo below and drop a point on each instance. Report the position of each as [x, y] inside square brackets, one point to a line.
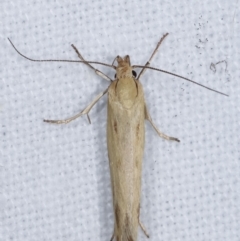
[125, 141]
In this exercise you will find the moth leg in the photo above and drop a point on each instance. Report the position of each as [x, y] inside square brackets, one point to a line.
[148, 117]
[98, 72]
[154, 52]
[143, 228]
[112, 237]
[83, 112]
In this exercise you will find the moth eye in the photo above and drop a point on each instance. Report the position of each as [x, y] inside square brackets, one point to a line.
[115, 76]
[134, 73]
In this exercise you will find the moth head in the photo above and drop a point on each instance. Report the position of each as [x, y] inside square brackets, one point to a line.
[124, 68]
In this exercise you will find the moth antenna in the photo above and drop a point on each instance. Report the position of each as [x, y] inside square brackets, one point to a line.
[179, 76]
[59, 60]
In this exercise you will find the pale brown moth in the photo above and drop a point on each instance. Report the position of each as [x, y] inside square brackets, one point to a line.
[127, 112]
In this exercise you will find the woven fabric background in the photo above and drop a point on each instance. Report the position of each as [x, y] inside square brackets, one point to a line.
[55, 181]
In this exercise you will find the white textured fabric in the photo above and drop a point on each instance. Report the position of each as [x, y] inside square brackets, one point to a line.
[55, 182]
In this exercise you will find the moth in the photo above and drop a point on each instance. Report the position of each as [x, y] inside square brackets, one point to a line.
[127, 112]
